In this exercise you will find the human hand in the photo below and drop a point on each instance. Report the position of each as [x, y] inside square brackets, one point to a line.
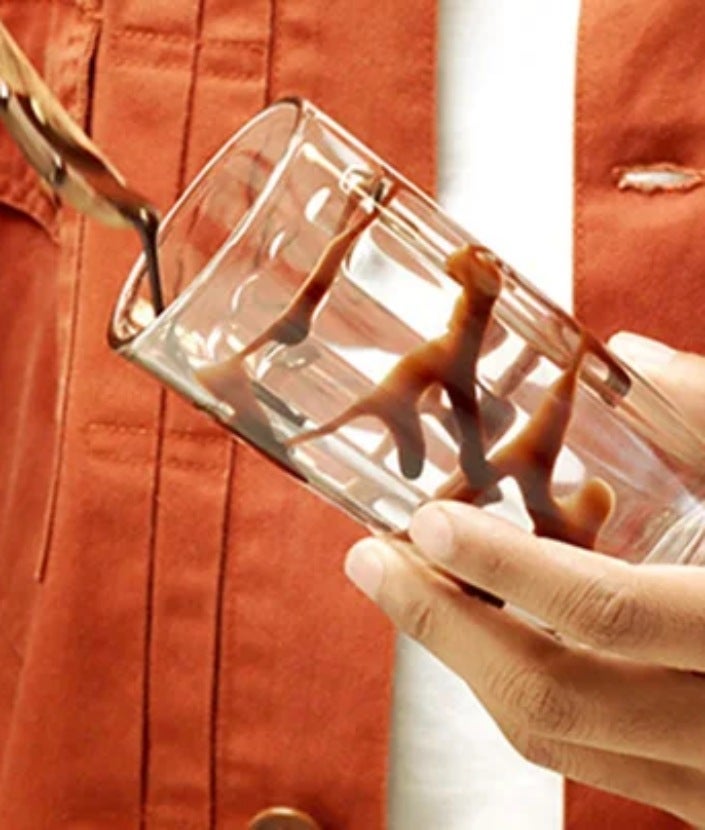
[617, 701]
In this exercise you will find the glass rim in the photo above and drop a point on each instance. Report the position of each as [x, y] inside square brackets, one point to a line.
[123, 327]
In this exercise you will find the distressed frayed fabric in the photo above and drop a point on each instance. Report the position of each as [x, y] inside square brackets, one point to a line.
[639, 255]
[664, 177]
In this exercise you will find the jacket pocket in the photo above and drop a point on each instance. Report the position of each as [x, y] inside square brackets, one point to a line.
[37, 285]
[60, 40]
[22, 192]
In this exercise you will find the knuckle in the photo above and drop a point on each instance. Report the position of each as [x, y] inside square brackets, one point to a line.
[417, 617]
[549, 710]
[695, 809]
[535, 700]
[558, 757]
[491, 565]
[533, 748]
[608, 616]
[686, 787]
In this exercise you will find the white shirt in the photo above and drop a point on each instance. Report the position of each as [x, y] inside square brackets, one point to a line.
[506, 174]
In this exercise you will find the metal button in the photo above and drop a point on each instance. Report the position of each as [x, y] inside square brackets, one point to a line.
[282, 818]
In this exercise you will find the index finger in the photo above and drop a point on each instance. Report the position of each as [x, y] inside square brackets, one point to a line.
[680, 376]
[654, 613]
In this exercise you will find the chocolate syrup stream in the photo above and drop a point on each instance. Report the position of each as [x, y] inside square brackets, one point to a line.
[148, 229]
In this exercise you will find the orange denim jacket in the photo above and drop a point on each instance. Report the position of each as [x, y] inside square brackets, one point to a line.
[166, 660]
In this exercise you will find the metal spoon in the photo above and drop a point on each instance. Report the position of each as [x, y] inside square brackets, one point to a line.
[66, 158]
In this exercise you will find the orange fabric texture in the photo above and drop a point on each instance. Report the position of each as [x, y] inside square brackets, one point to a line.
[639, 257]
[194, 654]
[178, 668]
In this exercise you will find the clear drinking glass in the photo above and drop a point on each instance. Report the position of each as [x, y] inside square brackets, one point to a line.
[325, 310]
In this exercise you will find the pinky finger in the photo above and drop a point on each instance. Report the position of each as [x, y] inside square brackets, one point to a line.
[675, 789]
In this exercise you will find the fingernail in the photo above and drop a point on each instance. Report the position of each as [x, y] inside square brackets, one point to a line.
[364, 567]
[641, 351]
[432, 532]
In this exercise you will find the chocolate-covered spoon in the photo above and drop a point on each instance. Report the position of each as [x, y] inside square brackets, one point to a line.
[67, 159]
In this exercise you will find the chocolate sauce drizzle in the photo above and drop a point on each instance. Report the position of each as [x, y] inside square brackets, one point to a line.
[230, 380]
[448, 363]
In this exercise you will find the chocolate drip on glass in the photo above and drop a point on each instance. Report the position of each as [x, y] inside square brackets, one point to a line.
[230, 381]
[294, 324]
[447, 363]
[530, 459]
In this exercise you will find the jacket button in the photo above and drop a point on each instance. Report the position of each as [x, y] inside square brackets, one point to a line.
[282, 818]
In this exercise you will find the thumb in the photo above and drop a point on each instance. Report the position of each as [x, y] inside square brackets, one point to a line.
[679, 376]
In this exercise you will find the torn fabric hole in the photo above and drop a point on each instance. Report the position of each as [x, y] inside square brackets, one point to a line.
[658, 178]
